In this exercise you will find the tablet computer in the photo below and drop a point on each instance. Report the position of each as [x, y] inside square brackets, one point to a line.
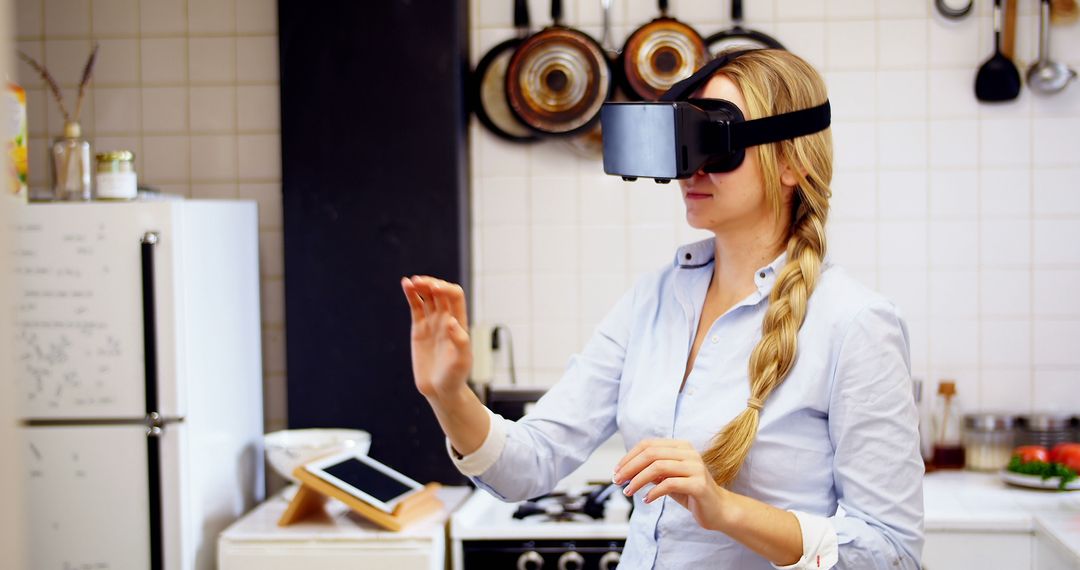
[364, 478]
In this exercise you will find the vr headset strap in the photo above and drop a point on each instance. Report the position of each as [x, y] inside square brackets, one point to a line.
[780, 127]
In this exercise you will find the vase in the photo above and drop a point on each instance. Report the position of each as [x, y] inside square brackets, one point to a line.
[70, 165]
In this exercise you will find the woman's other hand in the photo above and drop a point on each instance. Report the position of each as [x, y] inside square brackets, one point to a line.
[679, 472]
[441, 353]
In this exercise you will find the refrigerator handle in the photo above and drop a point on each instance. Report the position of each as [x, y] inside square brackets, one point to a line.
[153, 419]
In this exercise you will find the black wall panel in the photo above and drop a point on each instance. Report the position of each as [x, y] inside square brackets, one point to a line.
[375, 188]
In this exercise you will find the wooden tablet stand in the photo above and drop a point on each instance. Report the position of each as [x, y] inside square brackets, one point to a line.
[313, 493]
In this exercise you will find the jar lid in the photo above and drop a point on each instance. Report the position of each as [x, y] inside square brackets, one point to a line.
[989, 421]
[1046, 422]
[947, 388]
[116, 155]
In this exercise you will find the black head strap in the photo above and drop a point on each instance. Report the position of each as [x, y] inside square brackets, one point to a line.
[757, 131]
[781, 127]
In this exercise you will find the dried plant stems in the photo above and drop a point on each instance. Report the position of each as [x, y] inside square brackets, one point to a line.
[53, 85]
[88, 72]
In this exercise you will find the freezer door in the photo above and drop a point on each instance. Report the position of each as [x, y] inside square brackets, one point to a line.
[79, 310]
[89, 498]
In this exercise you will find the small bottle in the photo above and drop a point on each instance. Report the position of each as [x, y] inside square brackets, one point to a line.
[115, 178]
[948, 451]
[71, 165]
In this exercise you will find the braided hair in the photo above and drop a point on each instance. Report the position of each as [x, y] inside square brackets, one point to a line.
[774, 82]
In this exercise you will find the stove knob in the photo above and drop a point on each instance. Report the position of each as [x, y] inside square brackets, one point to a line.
[610, 560]
[531, 560]
[571, 561]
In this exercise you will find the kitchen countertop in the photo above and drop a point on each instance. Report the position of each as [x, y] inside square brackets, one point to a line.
[965, 501]
[336, 523]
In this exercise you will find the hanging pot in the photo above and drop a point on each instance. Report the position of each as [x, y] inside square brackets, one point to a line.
[558, 79]
[659, 54]
[738, 37]
[488, 90]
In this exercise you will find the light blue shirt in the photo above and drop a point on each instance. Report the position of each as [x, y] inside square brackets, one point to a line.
[837, 440]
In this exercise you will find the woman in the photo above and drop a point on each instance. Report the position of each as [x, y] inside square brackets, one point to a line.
[766, 394]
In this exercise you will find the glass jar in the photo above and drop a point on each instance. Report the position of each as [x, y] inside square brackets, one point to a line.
[988, 441]
[70, 165]
[1046, 430]
[115, 178]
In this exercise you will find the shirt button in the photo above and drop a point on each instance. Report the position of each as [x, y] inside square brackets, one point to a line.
[715, 339]
[761, 275]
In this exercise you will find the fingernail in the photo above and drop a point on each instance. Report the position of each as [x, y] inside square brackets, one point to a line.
[626, 491]
[647, 500]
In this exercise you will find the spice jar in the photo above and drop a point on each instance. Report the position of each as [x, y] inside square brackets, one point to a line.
[988, 441]
[1046, 430]
[115, 179]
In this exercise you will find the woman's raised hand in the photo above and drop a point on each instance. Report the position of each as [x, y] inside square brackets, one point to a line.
[441, 353]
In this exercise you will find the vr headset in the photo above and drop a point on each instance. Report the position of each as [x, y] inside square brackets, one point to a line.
[677, 136]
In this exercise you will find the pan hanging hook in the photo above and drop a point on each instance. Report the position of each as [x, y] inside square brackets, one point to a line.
[953, 13]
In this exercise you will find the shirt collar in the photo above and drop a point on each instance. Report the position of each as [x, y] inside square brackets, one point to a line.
[702, 253]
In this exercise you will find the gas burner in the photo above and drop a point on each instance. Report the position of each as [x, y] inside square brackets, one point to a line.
[567, 507]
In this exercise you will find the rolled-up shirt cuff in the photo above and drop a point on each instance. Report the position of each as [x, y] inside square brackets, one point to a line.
[475, 463]
[820, 544]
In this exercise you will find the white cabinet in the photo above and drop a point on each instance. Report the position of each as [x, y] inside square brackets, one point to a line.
[335, 540]
[950, 550]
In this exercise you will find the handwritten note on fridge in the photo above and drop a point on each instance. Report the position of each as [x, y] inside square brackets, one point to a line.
[78, 317]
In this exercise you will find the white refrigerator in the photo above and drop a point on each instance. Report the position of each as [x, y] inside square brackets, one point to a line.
[138, 373]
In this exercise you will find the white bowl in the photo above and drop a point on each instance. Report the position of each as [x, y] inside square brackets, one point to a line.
[288, 449]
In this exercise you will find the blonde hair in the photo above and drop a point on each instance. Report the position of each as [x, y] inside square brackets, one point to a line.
[774, 82]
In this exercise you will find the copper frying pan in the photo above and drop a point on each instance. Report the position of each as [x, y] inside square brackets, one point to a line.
[659, 54]
[489, 84]
[558, 79]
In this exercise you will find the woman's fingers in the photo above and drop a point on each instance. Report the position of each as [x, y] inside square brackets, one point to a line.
[456, 299]
[669, 486]
[661, 449]
[416, 306]
[423, 290]
[658, 471]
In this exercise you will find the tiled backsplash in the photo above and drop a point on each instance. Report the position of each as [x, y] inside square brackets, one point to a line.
[192, 87]
[966, 214]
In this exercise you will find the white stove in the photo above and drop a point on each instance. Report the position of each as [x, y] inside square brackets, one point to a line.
[561, 532]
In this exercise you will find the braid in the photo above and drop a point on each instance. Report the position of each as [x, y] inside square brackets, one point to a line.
[775, 353]
[774, 82]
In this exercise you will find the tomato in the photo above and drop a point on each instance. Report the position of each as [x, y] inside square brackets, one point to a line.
[1067, 454]
[1029, 453]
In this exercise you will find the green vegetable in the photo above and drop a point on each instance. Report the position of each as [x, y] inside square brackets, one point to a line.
[1043, 469]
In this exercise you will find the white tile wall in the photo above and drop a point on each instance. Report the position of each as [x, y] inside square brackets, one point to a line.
[966, 214]
[192, 87]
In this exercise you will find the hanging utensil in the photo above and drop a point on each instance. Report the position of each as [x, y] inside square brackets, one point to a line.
[1045, 75]
[1008, 30]
[739, 37]
[998, 79]
[953, 13]
[659, 54]
[558, 79]
[489, 84]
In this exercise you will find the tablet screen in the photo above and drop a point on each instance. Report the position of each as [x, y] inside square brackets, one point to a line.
[368, 479]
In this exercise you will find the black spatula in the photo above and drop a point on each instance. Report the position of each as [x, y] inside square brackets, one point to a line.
[998, 79]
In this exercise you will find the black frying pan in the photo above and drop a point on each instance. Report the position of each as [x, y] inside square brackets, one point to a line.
[557, 79]
[659, 54]
[489, 84]
[738, 36]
